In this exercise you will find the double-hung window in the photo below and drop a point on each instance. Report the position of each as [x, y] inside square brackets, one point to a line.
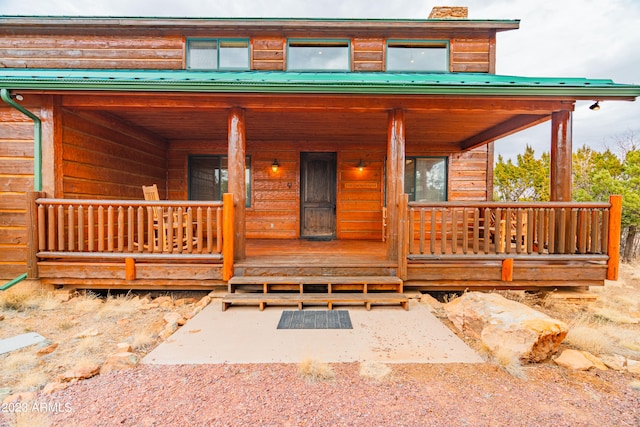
[418, 56]
[209, 177]
[217, 54]
[318, 55]
[425, 179]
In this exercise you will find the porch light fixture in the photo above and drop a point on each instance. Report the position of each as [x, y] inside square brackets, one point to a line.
[275, 165]
[17, 97]
[361, 165]
[595, 106]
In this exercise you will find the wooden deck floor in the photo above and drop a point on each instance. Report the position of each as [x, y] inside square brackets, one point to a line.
[313, 253]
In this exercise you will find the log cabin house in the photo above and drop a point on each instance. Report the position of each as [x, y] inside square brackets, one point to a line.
[351, 153]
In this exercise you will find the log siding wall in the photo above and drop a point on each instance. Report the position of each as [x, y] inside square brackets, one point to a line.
[275, 196]
[16, 178]
[67, 51]
[473, 53]
[104, 157]
[468, 175]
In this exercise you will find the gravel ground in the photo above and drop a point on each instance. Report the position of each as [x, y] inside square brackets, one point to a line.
[411, 395]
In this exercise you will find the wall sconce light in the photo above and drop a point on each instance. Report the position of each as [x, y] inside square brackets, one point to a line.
[595, 106]
[17, 97]
[275, 165]
[361, 165]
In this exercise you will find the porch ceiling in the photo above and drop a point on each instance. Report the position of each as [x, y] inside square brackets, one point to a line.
[441, 130]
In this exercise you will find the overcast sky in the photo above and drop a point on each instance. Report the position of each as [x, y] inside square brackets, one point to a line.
[557, 38]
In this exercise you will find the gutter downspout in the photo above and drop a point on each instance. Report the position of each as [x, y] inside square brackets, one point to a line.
[37, 159]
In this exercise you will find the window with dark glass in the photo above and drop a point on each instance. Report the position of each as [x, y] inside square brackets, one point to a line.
[425, 179]
[218, 54]
[209, 177]
[318, 55]
[425, 56]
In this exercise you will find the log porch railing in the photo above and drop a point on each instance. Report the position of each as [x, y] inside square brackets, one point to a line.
[487, 230]
[134, 229]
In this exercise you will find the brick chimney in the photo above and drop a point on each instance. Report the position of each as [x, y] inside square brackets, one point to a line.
[449, 12]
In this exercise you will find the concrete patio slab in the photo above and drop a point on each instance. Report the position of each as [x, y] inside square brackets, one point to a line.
[246, 335]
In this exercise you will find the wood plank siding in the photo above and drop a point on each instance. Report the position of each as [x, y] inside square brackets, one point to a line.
[268, 53]
[471, 52]
[105, 157]
[468, 175]
[368, 54]
[472, 55]
[16, 178]
[274, 210]
[74, 51]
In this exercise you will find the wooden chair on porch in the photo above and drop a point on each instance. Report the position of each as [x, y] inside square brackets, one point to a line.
[162, 225]
[508, 228]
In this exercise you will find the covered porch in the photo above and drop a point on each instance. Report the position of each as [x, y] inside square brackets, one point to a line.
[89, 226]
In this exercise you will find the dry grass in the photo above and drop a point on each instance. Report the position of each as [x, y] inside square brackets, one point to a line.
[314, 371]
[376, 371]
[20, 363]
[89, 345]
[116, 318]
[33, 380]
[143, 340]
[118, 306]
[509, 362]
[86, 303]
[614, 315]
[16, 299]
[591, 339]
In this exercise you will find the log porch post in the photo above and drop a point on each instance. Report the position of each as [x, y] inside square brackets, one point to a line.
[395, 179]
[561, 159]
[237, 172]
[32, 234]
[613, 246]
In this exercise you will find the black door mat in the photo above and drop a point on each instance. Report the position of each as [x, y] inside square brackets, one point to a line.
[315, 319]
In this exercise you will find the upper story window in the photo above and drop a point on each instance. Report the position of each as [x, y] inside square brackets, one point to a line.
[425, 179]
[318, 55]
[432, 56]
[218, 54]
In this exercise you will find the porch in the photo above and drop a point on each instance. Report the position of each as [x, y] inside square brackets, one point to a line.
[454, 245]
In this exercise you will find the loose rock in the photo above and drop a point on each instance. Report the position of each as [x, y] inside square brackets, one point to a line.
[614, 361]
[47, 350]
[597, 362]
[174, 317]
[204, 301]
[123, 347]
[574, 359]
[633, 366]
[183, 301]
[81, 372]
[53, 387]
[91, 332]
[117, 361]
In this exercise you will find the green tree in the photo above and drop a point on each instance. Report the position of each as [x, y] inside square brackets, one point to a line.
[526, 180]
[631, 200]
[589, 176]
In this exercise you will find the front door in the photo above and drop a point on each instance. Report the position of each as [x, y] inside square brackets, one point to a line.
[318, 195]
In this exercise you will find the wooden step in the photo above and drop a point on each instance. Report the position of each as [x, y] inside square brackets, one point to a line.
[332, 283]
[262, 299]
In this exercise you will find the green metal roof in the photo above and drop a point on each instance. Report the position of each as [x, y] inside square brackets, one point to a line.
[319, 82]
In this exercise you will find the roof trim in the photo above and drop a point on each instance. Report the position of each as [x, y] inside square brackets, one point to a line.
[115, 22]
[319, 82]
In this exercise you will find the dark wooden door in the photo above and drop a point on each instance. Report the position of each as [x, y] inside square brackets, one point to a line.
[318, 195]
